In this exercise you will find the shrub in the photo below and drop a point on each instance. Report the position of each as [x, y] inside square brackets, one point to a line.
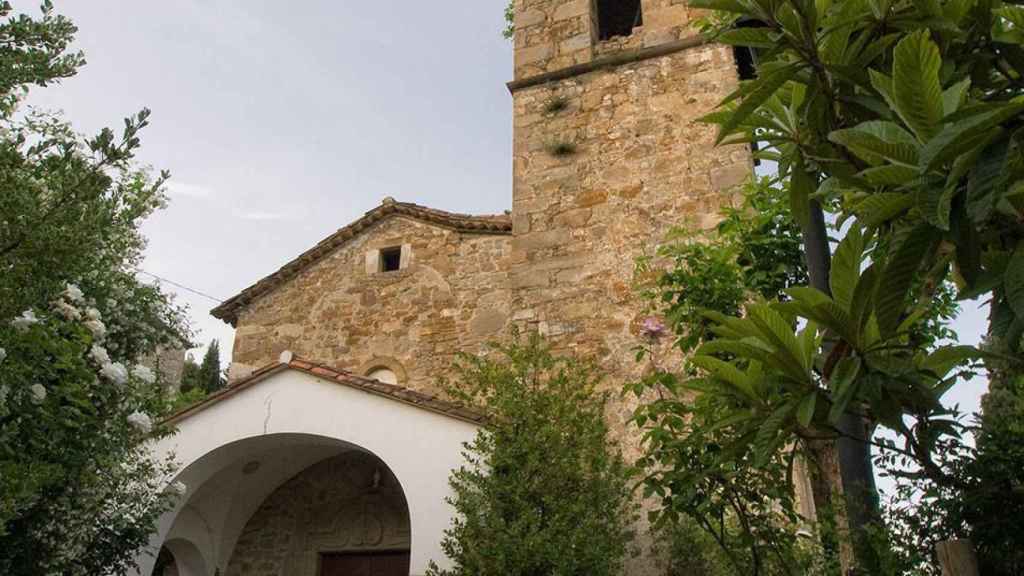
[544, 490]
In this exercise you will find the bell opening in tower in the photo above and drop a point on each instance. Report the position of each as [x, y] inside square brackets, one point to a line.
[618, 17]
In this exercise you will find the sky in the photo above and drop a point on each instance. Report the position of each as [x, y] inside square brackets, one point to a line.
[281, 122]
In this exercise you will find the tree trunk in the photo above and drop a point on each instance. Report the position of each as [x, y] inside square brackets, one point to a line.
[856, 478]
[828, 501]
[957, 558]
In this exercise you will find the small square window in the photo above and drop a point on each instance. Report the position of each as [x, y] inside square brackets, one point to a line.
[618, 17]
[391, 259]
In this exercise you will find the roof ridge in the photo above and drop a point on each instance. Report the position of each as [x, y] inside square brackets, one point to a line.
[423, 400]
[497, 224]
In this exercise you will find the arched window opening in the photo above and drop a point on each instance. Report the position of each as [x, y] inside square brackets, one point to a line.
[383, 374]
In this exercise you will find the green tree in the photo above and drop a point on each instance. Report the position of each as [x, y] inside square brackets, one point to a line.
[902, 119]
[79, 493]
[211, 377]
[190, 376]
[545, 490]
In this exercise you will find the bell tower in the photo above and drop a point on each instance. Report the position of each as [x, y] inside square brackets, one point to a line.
[608, 156]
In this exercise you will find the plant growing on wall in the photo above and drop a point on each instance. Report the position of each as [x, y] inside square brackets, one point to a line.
[545, 490]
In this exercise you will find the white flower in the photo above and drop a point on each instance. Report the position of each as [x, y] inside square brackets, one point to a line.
[27, 318]
[141, 421]
[38, 393]
[99, 355]
[92, 314]
[74, 293]
[97, 328]
[177, 488]
[66, 310]
[143, 373]
[3, 354]
[115, 372]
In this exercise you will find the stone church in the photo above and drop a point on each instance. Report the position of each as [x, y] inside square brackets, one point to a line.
[329, 453]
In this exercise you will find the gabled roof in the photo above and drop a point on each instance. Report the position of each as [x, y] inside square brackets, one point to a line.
[498, 224]
[338, 376]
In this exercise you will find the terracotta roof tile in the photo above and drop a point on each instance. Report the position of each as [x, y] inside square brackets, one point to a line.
[498, 224]
[343, 377]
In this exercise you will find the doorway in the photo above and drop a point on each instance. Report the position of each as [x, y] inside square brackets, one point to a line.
[365, 564]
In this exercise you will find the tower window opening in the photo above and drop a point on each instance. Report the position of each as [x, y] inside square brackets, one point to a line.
[618, 17]
[745, 56]
[746, 62]
[391, 259]
[746, 65]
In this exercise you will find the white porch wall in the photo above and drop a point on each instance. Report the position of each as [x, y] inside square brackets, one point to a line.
[289, 421]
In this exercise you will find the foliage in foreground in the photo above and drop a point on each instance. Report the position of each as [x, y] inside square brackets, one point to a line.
[903, 120]
[987, 501]
[545, 490]
[79, 494]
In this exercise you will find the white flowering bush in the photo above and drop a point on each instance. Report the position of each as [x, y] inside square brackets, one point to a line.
[74, 470]
[79, 491]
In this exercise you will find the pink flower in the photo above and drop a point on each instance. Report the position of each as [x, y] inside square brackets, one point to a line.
[653, 328]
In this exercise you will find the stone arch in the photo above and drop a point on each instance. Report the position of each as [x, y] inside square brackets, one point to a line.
[186, 559]
[384, 363]
[285, 422]
[351, 502]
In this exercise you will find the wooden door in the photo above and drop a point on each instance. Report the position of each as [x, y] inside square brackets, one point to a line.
[365, 564]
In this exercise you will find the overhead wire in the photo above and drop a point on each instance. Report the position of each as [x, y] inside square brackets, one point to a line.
[183, 287]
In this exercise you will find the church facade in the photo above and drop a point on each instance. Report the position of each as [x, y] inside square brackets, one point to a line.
[330, 450]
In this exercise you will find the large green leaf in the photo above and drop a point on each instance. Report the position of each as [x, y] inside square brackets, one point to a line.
[878, 142]
[753, 37]
[801, 186]
[915, 82]
[987, 181]
[891, 175]
[883, 85]
[844, 386]
[779, 333]
[756, 94]
[1013, 281]
[877, 209]
[954, 96]
[846, 267]
[770, 435]
[934, 200]
[728, 374]
[805, 414]
[944, 359]
[915, 247]
[863, 299]
[966, 133]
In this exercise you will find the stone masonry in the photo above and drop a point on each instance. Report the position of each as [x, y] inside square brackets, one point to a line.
[608, 156]
[348, 503]
[450, 295]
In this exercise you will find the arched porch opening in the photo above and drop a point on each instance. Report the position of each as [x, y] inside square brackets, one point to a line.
[283, 503]
[240, 446]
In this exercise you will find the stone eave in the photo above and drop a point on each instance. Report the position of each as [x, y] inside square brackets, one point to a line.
[500, 225]
[344, 378]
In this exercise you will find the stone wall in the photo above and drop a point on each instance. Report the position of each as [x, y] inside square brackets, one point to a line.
[556, 34]
[169, 363]
[638, 162]
[344, 504]
[452, 295]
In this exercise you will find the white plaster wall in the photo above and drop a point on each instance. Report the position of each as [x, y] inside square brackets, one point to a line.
[292, 413]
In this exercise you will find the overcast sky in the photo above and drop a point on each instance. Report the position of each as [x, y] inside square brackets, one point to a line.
[283, 121]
